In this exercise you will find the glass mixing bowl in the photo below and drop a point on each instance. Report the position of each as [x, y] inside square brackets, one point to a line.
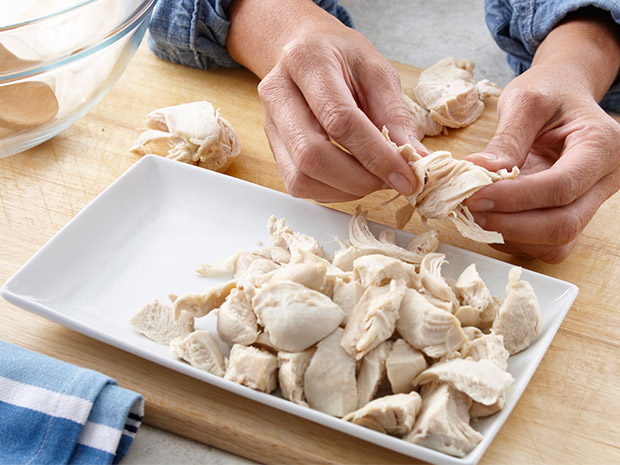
[56, 67]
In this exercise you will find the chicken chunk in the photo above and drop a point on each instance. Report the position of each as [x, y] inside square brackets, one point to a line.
[427, 328]
[291, 371]
[156, 321]
[378, 270]
[474, 294]
[193, 133]
[294, 316]
[371, 372]
[403, 364]
[394, 414]
[346, 294]
[443, 422]
[489, 347]
[200, 350]
[252, 367]
[373, 319]
[425, 125]
[236, 321]
[481, 380]
[199, 305]
[518, 319]
[434, 283]
[329, 383]
[450, 94]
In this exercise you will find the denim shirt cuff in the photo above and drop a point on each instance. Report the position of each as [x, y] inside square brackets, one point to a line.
[519, 26]
[194, 32]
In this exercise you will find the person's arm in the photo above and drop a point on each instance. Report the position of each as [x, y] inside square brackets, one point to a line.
[323, 82]
[551, 126]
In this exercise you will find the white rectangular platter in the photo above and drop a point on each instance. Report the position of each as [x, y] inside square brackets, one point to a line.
[144, 236]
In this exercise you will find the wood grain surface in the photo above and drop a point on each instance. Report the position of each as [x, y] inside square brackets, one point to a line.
[569, 414]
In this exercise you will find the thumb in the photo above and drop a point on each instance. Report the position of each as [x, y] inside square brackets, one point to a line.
[520, 123]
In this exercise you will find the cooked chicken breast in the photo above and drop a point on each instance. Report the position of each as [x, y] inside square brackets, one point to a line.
[489, 347]
[252, 367]
[292, 368]
[329, 383]
[346, 294]
[427, 328]
[424, 124]
[393, 414]
[403, 365]
[156, 321]
[294, 316]
[236, 321]
[443, 422]
[373, 319]
[378, 270]
[474, 293]
[372, 372]
[434, 283]
[193, 133]
[518, 319]
[199, 305]
[481, 380]
[200, 350]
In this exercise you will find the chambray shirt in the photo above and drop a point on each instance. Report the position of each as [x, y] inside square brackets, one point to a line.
[194, 32]
[519, 26]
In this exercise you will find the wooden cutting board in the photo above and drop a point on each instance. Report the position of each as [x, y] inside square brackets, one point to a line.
[570, 412]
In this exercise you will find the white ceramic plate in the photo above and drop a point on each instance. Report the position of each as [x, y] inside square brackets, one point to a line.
[146, 233]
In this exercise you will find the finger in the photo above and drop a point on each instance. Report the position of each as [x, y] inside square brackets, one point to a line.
[333, 103]
[584, 161]
[385, 105]
[297, 183]
[522, 116]
[548, 253]
[306, 144]
[550, 226]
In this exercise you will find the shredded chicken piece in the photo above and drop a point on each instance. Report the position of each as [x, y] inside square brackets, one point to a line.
[377, 270]
[236, 321]
[193, 133]
[346, 294]
[373, 319]
[292, 368]
[252, 367]
[518, 319]
[199, 305]
[433, 282]
[403, 364]
[156, 321]
[200, 350]
[489, 347]
[427, 328]
[481, 380]
[443, 184]
[294, 316]
[443, 422]
[371, 372]
[394, 414]
[329, 382]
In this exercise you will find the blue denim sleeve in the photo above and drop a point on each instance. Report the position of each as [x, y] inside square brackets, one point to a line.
[519, 26]
[194, 32]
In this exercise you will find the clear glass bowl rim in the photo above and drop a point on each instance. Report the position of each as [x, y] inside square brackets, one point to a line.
[140, 13]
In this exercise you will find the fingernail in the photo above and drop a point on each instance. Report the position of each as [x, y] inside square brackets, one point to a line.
[480, 219]
[400, 183]
[481, 205]
[486, 155]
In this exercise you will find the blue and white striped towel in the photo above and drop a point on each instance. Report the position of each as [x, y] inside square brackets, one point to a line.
[55, 412]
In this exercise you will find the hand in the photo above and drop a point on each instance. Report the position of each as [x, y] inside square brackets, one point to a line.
[567, 147]
[325, 82]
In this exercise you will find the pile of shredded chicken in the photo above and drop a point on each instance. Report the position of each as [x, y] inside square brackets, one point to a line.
[448, 96]
[374, 335]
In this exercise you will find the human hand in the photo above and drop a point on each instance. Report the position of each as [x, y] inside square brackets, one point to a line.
[325, 82]
[567, 149]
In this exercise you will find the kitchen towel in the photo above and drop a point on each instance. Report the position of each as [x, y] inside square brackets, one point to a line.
[55, 412]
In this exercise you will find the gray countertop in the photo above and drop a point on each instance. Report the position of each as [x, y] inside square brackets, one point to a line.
[414, 32]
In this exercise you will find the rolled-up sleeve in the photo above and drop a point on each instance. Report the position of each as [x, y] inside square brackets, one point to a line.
[194, 32]
[519, 26]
